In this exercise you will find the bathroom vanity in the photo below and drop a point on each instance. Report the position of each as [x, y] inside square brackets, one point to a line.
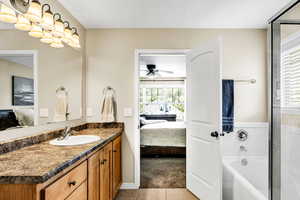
[43, 171]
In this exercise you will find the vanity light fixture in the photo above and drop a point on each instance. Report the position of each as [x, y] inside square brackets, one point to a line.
[47, 21]
[56, 43]
[75, 43]
[7, 14]
[47, 37]
[38, 19]
[34, 12]
[23, 23]
[36, 31]
[58, 30]
[67, 33]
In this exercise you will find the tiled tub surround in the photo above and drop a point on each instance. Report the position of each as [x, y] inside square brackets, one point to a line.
[247, 182]
[35, 160]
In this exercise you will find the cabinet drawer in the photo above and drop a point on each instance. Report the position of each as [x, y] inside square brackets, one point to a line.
[64, 186]
[80, 193]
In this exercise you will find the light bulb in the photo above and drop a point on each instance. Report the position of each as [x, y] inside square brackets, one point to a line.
[7, 14]
[56, 43]
[67, 35]
[23, 23]
[36, 31]
[34, 12]
[47, 20]
[47, 37]
[58, 30]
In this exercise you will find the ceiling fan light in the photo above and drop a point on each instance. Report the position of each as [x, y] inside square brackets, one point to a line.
[56, 43]
[47, 20]
[47, 37]
[34, 12]
[7, 14]
[23, 23]
[36, 31]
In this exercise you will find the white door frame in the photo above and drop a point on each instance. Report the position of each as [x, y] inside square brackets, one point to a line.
[34, 53]
[138, 52]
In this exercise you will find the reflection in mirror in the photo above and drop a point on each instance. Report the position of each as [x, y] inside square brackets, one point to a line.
[61, 112]
[17, 91]
[28, 83]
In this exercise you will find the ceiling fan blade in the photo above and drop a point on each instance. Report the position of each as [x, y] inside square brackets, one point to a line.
[165, 71]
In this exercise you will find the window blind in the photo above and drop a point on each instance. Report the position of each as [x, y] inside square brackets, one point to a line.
[290, 78]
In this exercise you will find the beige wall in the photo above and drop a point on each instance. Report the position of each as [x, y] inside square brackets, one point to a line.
[7, 70]
[110, 58]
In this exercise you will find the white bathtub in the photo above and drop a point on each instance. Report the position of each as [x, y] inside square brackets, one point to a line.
[248, 182]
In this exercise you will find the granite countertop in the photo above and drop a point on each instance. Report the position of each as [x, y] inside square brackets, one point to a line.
[37, 163]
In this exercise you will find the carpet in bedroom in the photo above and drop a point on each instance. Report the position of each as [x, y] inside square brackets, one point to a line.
[163, 173]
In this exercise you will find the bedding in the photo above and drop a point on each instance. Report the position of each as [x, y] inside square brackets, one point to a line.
[166, 134]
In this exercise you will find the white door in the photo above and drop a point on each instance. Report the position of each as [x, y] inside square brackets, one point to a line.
[204, 115]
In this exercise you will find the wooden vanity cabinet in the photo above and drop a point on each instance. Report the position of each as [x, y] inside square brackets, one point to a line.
[116, 168]
[106, 172]
[96, 177]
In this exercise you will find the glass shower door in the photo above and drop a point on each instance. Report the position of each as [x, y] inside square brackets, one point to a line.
[285, 104]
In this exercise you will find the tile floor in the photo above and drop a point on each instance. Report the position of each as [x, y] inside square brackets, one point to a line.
[156, 194]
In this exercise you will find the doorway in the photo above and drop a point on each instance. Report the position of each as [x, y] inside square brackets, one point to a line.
[161, 105]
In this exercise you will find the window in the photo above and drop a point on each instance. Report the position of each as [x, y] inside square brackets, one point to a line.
[162, 100]
[290, 81]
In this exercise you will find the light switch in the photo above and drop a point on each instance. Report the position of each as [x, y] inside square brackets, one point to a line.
[89, 112]
[44, 112]
[127, 112]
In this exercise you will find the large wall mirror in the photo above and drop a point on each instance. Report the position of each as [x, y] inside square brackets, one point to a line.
[38, 84]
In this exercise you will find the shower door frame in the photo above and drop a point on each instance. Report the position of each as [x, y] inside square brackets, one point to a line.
[274, 111]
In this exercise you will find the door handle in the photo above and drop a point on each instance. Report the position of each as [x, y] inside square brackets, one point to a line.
[214, 134]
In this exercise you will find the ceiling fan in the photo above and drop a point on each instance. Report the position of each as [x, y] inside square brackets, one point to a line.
[152, 71]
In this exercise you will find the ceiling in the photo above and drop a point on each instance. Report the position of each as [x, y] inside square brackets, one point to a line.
[174, 13]
[174, 63]
[26, 60]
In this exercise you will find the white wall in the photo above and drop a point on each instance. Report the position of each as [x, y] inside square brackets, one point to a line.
[110, 58]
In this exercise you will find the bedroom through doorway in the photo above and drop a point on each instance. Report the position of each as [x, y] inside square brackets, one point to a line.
[162, 113]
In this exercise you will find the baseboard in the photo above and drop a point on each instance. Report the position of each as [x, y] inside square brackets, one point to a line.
[129, 186]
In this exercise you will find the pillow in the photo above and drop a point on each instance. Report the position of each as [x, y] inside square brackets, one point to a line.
[25, 117]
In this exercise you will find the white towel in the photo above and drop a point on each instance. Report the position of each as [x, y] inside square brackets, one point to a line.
[61, 106]
[108, 107]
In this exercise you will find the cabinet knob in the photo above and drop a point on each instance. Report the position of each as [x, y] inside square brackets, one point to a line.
[72, 183]
[114, 151]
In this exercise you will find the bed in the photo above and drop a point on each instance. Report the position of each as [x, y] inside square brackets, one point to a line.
[163, 138]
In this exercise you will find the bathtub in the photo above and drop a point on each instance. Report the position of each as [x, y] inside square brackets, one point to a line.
[248, 182]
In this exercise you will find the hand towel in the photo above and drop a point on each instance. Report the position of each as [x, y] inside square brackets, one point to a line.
[228, 105]
[108, 107]
[61, 106]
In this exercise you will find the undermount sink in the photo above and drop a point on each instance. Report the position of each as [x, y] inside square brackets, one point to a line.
[75, 140]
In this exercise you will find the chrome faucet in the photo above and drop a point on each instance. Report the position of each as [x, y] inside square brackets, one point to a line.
[66, 133]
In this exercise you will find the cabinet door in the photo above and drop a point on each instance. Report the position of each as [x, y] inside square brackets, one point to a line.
[94, 177]
[117, 170]
[106, 172]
